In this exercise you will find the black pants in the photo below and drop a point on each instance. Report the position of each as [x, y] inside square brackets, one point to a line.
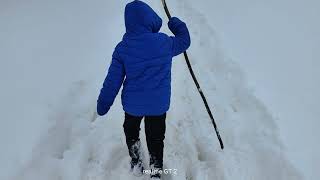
[155, 127]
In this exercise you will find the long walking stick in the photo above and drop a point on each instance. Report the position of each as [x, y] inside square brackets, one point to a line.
[197, 83]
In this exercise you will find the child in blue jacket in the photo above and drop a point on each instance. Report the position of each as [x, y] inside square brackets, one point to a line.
[142, 63]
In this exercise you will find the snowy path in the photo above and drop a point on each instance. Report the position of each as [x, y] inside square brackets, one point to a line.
[74, 149]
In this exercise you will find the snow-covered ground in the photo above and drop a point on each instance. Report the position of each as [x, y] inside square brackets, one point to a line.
[53, 58]
[276, 43]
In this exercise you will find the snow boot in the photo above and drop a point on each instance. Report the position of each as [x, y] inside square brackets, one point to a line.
[136, 164]
[156, 168]
[136, 168]
[156, 174]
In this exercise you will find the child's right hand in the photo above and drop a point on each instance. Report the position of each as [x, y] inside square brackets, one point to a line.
[174, 23]
[181, 40]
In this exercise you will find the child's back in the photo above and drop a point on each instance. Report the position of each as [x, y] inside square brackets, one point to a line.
[143, 58]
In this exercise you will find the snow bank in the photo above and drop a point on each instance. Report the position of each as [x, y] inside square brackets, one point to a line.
[276, 44]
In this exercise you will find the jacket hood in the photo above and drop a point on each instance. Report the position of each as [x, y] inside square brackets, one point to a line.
[141, 18]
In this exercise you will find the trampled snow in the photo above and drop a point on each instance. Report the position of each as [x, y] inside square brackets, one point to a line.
[53, 61]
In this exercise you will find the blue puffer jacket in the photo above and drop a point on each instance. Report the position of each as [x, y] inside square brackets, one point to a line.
[142, 63]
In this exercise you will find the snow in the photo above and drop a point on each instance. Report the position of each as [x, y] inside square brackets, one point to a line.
[54, 56]
[276, 43]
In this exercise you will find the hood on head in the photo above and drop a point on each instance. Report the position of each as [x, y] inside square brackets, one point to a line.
[141, 18]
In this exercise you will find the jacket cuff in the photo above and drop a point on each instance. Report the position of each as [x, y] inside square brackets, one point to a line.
[101, 111]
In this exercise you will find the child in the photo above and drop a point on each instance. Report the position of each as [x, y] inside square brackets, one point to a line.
[142, 63]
